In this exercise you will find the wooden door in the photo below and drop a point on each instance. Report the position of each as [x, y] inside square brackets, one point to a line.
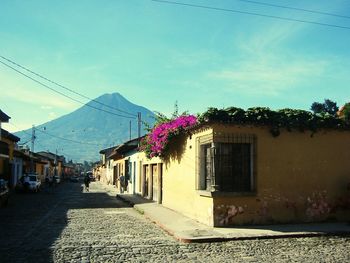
[146, 173]
[154, 182]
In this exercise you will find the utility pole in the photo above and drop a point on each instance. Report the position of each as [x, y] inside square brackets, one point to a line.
[32, 150]
[139, 126]
[130, 130]
[55, 173]
[33, 138]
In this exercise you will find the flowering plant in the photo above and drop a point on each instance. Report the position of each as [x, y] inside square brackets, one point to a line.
[155, 143]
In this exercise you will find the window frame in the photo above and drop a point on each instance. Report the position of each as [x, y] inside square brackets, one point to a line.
[214, 141]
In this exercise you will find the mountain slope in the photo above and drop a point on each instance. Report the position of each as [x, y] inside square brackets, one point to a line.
[95, 129]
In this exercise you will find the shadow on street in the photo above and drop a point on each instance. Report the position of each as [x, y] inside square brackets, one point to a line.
[32, 222]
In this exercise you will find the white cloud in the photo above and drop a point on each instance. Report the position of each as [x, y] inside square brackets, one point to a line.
[46, 107]
[266, 64]
[25, 94]
[269, 74]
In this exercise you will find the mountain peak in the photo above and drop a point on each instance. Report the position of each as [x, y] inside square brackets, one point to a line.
[101, 122]
[111, 99]
[113, 95]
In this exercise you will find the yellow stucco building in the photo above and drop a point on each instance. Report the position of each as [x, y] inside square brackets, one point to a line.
[231, 175]
[8, 143]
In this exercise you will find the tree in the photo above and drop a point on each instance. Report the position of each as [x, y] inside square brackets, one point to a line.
[327, 106]
[330, 107]
[317, 107]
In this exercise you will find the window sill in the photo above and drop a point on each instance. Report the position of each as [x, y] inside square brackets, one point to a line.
[225, 194]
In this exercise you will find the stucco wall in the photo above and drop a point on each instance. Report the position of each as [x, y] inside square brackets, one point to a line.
[133, 158]
[109, 171]
[4, 160]
[300, 177]
[179, 182]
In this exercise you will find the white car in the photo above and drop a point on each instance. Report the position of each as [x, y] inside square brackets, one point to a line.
[57, 179]
[33, 182]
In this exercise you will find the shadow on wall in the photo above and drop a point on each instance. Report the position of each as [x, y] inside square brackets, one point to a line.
[176, 148]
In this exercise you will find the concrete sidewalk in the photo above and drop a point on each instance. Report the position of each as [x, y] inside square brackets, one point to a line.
[188, 230]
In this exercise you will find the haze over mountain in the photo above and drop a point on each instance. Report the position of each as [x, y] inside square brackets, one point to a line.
[81, 134]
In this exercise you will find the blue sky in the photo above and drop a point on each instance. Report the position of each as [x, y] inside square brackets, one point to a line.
[155, 54]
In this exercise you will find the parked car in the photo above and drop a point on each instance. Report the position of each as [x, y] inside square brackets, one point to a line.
[4, 193]
[57, 179]
[34, 182]
[29, 182]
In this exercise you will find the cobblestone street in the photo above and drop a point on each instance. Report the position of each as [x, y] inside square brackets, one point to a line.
[69, 225]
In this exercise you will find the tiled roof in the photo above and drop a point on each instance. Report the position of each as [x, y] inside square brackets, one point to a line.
[4, 117]
[9, 136]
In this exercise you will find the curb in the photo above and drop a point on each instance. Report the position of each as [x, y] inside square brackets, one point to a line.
[222, 238]
[130, 203]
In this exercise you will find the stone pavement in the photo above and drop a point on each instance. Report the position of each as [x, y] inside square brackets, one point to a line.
[72, 225]
[187, 230]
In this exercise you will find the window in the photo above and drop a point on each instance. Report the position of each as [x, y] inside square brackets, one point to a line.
[208, 159]
[233, 167]
[227, 164]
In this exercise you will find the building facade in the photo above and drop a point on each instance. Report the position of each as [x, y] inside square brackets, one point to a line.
[232, 175]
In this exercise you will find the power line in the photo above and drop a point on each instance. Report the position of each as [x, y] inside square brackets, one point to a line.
[62, 94]
[65, 139]
[61, 153]
[295, 8]
[77, 93]
[27, 133]
[251, 13]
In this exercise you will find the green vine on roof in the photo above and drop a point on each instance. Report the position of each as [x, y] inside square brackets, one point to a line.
[285, 118]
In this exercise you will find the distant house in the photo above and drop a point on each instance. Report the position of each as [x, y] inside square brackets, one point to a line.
[125, 158]
[8, 145]
[106, 169]
[142, 176]
[50, 164]
[68, 169]
[44, 164]
[96, 171]
[19, 159]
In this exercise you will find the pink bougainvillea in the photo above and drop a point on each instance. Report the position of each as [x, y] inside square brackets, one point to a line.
[156, 142]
